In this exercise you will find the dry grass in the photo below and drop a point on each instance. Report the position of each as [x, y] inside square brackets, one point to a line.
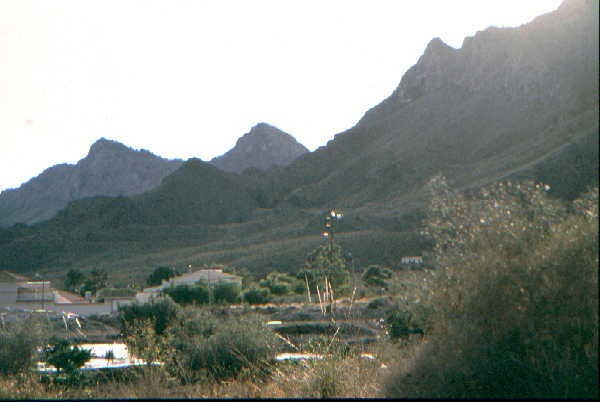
[336, 377]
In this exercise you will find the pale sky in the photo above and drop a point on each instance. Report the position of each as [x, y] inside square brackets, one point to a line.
[185, 78]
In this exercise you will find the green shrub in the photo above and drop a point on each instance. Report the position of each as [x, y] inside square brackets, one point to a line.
[256, 296]
[376, 276]
[280, 284]
[299, 287]
[160, 311]
[66, 357]
[515, 301]
[226, 292]
[222, 350]
[280, 289]
[184, 294]
[400, 324]
[18, 346]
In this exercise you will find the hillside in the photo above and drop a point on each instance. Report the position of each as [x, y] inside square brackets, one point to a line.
[263, 147]
[510, 103]
[109, 169]
[506, 98]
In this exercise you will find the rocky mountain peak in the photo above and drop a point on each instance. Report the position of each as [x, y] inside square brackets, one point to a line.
[104, 145]
[520, 62]
[264, 146]
[575, 4]
[436, 48]
[109, 169]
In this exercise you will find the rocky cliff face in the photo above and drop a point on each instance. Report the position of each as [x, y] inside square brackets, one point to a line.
[263, 147]
[109, 169]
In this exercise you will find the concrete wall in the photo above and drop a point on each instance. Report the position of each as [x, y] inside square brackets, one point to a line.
[116, 303]
[8, 293]
[34, 294]
[83, 309]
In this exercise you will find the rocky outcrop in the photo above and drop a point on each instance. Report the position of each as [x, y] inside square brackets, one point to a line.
[263, 147]
[109, 169]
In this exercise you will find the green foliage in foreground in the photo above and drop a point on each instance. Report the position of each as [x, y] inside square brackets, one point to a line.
[18, 345]
[515, 298]
[197, 345]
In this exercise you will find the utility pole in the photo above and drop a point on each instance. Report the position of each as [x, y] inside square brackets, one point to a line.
[330, 219]
[210, 292]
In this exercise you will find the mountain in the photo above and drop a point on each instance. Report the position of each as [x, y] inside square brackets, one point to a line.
[263, 147]
[109, 169]
[506, 99]
[510, 103]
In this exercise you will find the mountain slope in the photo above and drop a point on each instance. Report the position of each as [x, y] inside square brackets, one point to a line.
[506, 97]
[263, 147]
[109, 169]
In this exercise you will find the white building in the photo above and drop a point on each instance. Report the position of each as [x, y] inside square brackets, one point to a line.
[19, 293]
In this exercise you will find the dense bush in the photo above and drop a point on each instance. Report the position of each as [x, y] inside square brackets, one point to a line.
[281, 284]
[226, 292]
[184, 294]
[239, 345]
[256, 296]
[18, 346]
[220, 349]
[376, 276]
[515, 301]
[401, 324]
[161, 312]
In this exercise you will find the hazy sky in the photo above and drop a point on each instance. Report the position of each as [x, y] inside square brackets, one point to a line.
[187, 78]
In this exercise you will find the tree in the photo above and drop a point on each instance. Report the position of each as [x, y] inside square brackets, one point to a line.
[160, 274]
[376, 276]
[73, 280]
[98, 280]
[99, 277]
[65, 357]
[326, 261]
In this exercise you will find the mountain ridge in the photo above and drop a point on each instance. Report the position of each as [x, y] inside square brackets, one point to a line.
[109, 169]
